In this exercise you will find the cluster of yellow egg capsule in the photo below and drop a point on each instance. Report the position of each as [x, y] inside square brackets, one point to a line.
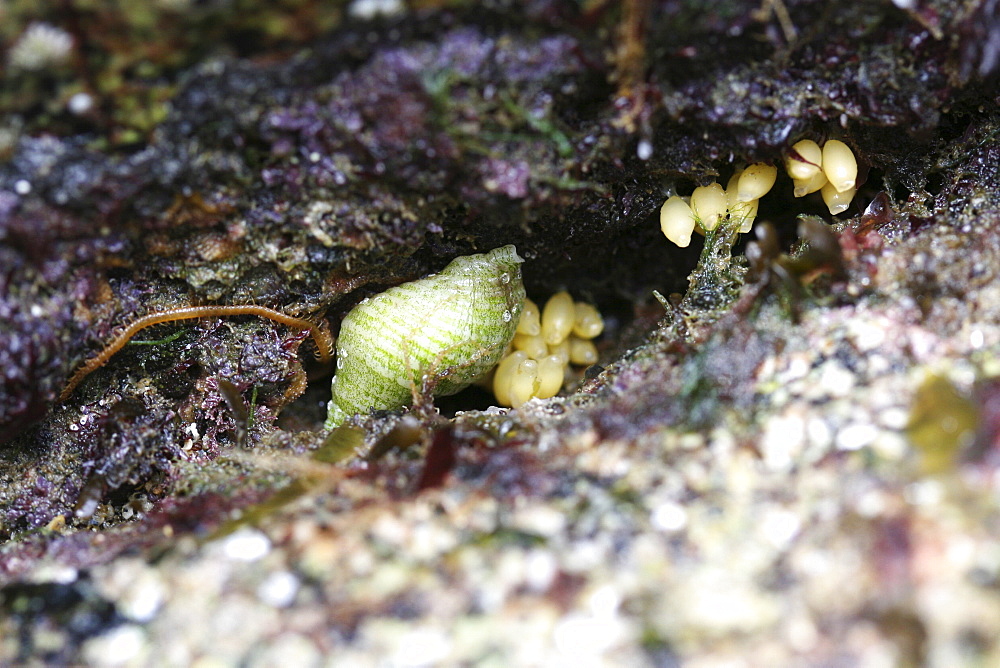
[832, 169]
[544, 346]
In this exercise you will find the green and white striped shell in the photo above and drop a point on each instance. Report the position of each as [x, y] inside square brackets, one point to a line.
[441, 332]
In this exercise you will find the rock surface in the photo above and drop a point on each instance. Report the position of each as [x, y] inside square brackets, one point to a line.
[797, 463]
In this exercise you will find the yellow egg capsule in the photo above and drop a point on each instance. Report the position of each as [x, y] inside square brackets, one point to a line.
[504, 374]
[558, 317]
[529, 322]
[756, 181]
[836, 201]
[523, 382]
[534, 346]
[805, 161]
[561, 350]
[551, 373]
[746, 212]
[589, 322]
[732, 188]
[677, 221]
[743, 211]
[810, 185]
[839, 165]
[582, 352]
[709, 205]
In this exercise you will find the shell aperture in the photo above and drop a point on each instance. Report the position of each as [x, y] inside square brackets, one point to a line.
[442, 332]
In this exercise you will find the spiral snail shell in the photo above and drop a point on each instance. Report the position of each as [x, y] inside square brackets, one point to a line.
[441, 332]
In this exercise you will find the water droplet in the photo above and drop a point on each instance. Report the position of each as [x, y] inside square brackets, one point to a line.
[507, 316]
[505, 278]
[340, 362]
[644, 151]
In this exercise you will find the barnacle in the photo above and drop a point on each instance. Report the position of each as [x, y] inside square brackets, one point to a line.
[437, 334]
[537, 365]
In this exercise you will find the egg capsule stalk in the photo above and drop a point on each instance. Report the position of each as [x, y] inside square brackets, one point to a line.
[677, 221]
[558, 318]
[840, 165]
[805, 160]
[756, 181]
[709, 205]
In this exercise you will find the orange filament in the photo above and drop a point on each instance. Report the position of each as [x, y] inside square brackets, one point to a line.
[320, 334]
